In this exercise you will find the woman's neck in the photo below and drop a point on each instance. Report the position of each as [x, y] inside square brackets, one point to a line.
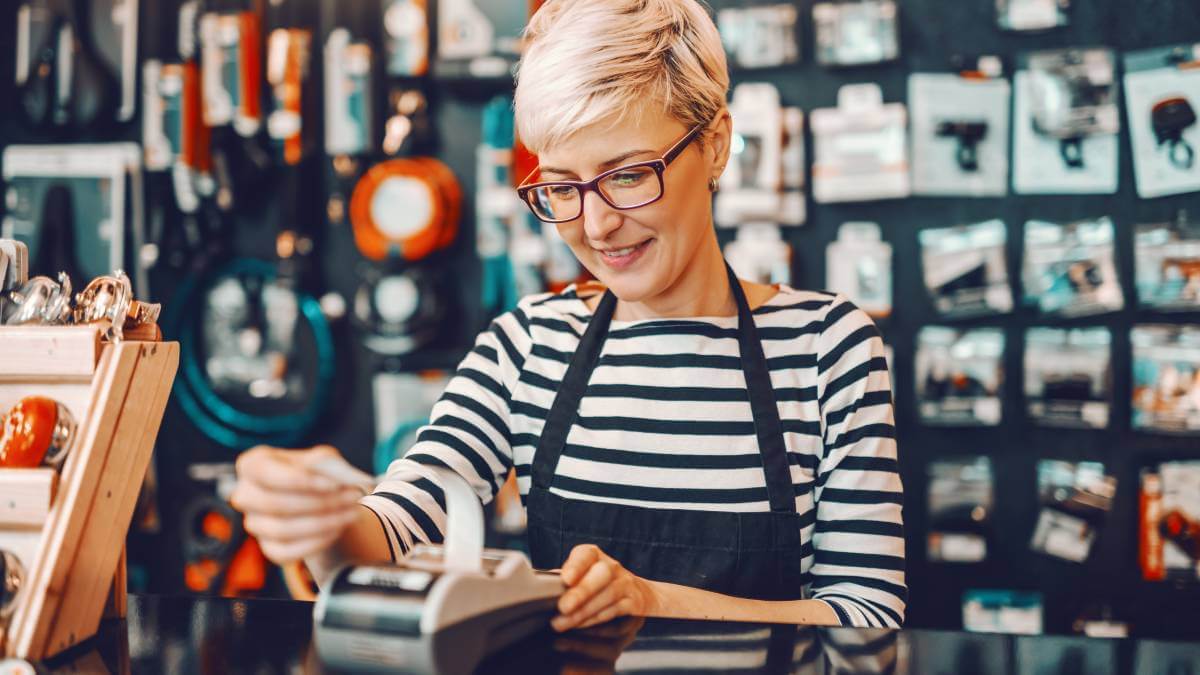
[702, 290]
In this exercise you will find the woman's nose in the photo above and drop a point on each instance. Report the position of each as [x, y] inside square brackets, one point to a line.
[599, 219]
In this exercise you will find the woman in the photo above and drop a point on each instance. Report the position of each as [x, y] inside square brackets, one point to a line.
[716, 448]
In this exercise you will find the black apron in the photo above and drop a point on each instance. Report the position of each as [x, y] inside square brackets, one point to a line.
[750, 555]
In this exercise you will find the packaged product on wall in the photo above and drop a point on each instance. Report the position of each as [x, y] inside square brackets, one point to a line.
[859, 265]
[856, 33]
[1069, 268]
[1169, 522]
[1167, 264]
[1068, 376]
[1066, 123]
[1076, 499]
[959, 375]
[966, 270]
[1166, 378]
[960, 502]
[1162, 96]
[959, 133]
[860, 148]
[1002, 611]
[761, 36]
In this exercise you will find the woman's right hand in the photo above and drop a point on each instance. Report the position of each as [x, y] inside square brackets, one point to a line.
[292, 510]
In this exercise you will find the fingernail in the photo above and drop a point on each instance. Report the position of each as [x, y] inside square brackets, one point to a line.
[559, 623]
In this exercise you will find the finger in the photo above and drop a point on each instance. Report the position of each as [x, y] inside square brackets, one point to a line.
[296, 528]
[250, 497]
[281, 470]
[623, 607]
[582, 557]
[319, 452]
[597, 577]
[607, 596]
[282, 553]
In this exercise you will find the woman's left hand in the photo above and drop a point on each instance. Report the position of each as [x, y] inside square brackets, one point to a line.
[599, 589]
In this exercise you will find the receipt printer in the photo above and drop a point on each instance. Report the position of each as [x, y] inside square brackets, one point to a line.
[440, 610]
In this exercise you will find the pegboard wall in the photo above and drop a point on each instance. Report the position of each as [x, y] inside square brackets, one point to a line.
[932, 32]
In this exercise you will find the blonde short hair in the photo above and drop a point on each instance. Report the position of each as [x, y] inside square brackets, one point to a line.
[593, 61]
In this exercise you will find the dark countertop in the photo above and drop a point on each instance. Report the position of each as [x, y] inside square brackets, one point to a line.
[211, 635]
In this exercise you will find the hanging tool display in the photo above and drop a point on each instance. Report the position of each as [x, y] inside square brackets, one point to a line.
[231, 93]
[56, 248]
[349, 103]
[162, 113]
[500, 217]
[856, 32]
[245, 334]
[960, 129]
[231, 60]
[1074, 96]
[288, 52]
[403, 404]
[1162, 95]
[192, 177]
[405, 208]
[406, 24]
[219, 555]
[257, 352]
[409, 130]
[78, 207]
[351, 130]
[64, 85]
[399, 311]
[478, 39]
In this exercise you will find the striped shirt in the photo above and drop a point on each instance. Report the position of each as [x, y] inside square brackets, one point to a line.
[666, 423]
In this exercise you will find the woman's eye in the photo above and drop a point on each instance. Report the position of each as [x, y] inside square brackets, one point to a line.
[628, 179]
[562, 192]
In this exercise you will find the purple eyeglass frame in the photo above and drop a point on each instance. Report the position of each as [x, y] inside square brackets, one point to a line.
[583, 187]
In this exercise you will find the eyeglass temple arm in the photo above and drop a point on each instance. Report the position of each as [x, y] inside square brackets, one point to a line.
[683, 143]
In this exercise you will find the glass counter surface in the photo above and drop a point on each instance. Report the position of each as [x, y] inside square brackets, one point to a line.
[217, 635]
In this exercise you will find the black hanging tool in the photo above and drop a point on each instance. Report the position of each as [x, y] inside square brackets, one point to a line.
[68, 87]
[56, 250]
[969, 133]
[1170, 117]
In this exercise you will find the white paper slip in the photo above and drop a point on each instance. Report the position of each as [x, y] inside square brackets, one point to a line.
[344, 473]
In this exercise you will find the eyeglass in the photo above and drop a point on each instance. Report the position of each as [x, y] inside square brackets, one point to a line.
[625, 187]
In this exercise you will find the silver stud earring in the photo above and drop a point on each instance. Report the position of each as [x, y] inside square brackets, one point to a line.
[713, 185]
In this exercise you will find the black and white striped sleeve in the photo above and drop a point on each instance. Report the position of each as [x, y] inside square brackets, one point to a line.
[468, 433]
[858, 566]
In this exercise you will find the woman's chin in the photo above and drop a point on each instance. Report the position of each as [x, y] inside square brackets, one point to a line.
[628, 286]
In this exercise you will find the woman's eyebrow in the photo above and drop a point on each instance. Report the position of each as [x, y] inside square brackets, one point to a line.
[607, 164]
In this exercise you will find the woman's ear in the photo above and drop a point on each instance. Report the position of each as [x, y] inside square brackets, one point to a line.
[720, 136]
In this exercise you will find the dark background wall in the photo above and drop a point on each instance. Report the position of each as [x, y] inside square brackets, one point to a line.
[932, 31]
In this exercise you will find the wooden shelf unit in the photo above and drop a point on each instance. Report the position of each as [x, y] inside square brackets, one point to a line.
[68, 529]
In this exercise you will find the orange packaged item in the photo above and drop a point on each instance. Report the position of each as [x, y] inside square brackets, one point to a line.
[37, 431]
